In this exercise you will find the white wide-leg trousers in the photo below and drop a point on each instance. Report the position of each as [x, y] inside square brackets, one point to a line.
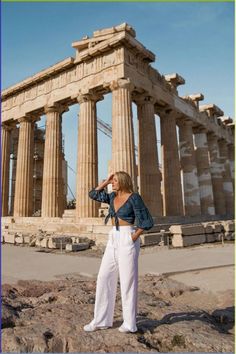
[120, 258]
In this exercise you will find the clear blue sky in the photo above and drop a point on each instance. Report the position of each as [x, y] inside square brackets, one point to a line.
[195, 40]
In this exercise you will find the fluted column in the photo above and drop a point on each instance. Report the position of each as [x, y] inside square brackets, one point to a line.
[216, 169]
[192, 205]
[203, 170]
[5, 167]
[87, 163]
[52, 189]
[23, 202]
[123, 155]
[231, 154]
[227, 180]
[173, 200]
[148, 165]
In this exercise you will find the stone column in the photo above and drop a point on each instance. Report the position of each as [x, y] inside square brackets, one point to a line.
[13, 163]
[216, 169]
[52, 188]
[23, 202]
[192, 205]
[87, 165]
[5, 167]
[203, 170]
[227, 180]
[123, 155]
[148, 166]
[231, 155]
[173, 200]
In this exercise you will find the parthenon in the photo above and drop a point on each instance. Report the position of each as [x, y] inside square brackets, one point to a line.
[114, 61]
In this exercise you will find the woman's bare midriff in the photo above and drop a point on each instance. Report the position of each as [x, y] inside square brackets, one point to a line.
[121, 222]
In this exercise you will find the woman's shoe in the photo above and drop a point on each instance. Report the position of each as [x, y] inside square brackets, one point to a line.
[91, 327]
[125, 330]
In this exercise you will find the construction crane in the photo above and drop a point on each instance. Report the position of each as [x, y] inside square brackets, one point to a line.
[106, 129]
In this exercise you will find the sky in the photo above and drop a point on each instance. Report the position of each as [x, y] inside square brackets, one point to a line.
[195, 40]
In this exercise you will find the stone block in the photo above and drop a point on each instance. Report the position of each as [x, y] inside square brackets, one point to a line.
[32, 241]
[28, 238]
[229, 236]
[100, 239]
[153, 239]
[101, 229]
[185, 230]
[75, 239]
[84, 239]
[211, 237]
[177, 240]
[91, 221]
[42, 242]
[75, 247]
[19, 239]
[61, 241]
[81, 238]
[228, 225]
[219, 236]
[51, 243]
[9, 238]
[208, 228]
[218, 227]
[183, 241]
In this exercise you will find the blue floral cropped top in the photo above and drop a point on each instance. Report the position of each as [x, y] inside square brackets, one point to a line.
[132, 210]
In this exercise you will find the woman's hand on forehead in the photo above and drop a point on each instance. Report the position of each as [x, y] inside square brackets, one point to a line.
[110, 177]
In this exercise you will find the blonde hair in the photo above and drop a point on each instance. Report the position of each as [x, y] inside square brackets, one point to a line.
[125, 181]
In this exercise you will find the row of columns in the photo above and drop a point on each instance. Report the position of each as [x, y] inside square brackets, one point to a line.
[206, 164]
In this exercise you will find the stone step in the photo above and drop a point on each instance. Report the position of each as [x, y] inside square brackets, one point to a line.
[16, 231]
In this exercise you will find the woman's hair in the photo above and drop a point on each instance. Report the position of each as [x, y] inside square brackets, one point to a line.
[125, 181]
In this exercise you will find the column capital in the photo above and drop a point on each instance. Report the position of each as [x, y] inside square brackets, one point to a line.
[212, 136]
[181, 122]
[56, 107]
[222, 141]
[121, 83]
[28, 118]
[141, 99]
[86, 96]
[199, 129]
[167, 112]
[8, 126]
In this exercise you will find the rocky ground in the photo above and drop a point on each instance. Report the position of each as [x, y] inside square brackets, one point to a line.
[173, 317]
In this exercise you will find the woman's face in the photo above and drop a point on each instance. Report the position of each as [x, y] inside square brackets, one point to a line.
[115, 183]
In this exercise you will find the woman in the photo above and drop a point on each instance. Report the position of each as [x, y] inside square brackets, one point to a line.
[121, 254]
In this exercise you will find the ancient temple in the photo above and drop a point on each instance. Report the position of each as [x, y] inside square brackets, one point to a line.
[197, 165]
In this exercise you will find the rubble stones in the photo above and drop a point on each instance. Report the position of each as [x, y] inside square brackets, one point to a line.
[194, 234]
[172, 317]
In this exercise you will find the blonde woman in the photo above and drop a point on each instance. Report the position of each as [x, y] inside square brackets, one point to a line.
[121, 254]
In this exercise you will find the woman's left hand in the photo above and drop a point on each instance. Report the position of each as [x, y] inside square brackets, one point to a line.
[134, 237]
[136, 234]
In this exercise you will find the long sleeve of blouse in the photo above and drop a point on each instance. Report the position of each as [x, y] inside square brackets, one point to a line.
[143, 217]
[100, 195]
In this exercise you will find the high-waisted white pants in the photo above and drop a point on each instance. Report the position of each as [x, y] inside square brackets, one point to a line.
[120, 257]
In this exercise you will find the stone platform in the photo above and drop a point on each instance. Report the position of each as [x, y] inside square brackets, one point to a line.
[62, 232]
